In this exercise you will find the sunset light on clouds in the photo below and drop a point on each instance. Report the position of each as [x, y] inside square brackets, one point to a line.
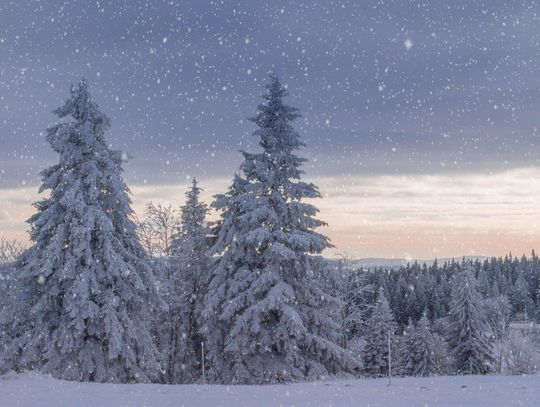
[391, 216]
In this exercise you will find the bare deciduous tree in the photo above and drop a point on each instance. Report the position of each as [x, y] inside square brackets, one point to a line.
[157, 229]
[10, 250]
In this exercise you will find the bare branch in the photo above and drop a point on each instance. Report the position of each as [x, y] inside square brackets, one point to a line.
[10, 250]
[156, 231]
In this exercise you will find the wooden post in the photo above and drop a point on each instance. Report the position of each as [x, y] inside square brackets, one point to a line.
[389, 360]
[203, 367]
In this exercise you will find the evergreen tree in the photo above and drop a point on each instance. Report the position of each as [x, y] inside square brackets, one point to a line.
[468, 329]
[85, 288]
[417, 350]
[538, 305]
[495, 292]
[484, 286]
[520, 297]
[441, 356]
[422, 349]
[380, 327]
[189, 280]
[266, 319]
[399, 303]
[405, 361]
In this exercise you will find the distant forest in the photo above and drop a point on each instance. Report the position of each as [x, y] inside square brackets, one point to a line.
[416, 287]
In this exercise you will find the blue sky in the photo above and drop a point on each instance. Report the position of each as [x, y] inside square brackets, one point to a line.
[386, 88]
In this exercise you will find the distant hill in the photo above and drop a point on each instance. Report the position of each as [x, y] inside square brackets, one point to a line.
[370, 263]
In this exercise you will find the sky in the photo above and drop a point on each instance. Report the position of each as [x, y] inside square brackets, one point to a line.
[421, 117]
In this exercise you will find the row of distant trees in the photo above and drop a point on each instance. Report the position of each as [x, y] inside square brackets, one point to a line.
[417, 287]
[491, 306]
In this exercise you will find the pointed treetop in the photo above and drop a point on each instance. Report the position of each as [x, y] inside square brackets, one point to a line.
[89, 123]
[195, 186]
[274, 110]
[424, 320]
[192, 194]
[82, 107]
[193, 211]
[381, 297]
[275, 89]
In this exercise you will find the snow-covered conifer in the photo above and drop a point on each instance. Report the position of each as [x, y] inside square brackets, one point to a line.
[520, 298]
[441, 356]
[537, 307]
[85, 289]
[265, 317]
[417, 350]
[405, 361]
[422, 350]
[468, 329]
[189, 277]
[380, 328]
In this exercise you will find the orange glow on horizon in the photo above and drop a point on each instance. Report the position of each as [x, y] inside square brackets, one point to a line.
[391, 216]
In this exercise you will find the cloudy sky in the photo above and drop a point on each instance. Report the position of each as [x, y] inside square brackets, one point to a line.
[421, 118]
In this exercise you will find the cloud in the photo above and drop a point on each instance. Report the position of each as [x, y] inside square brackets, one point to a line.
[435, 215]
[420, 216]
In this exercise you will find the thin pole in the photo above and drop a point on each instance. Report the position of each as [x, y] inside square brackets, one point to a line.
[202, 357]
[389, 360]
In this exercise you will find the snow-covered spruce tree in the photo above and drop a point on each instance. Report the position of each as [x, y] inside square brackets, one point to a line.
[537, 307]
[422, 349]
[265, 317]
[379, 328]
[468, 329]
[189, 280]
[441, 356]
[85, 289]
[405, 361]
[520, 298]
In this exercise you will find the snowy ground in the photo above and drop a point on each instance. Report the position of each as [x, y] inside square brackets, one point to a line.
[475, 391]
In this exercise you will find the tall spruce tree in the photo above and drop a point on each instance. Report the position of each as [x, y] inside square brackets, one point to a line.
[423, 349]
[82, 307]
[520, 298]
[380, 328]
[468, 329]
[189, 281]
[405, 360]
[537, 308]
[265, 318]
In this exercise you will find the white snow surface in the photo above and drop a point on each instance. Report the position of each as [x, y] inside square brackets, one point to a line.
[34, 390]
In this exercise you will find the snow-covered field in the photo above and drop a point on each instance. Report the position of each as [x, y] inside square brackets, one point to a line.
[475, 391]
